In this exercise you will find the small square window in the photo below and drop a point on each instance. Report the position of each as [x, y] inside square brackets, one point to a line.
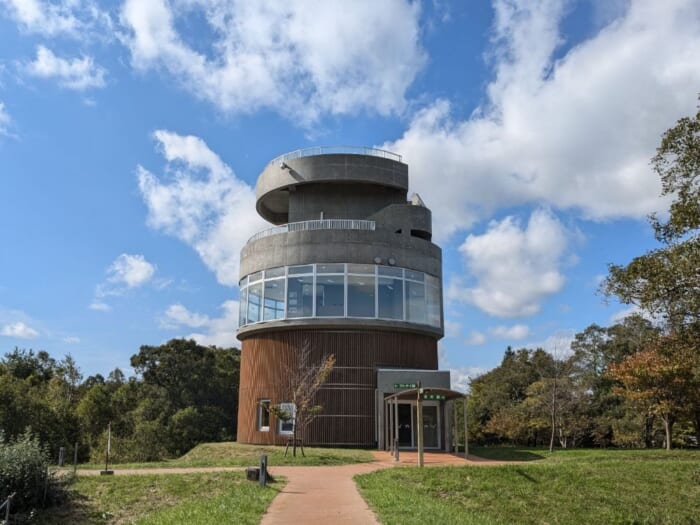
[264, 415]
[287, 427]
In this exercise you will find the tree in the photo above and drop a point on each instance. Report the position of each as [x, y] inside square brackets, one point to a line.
[189, 392]
[677, 162]
[660, 379]
[306, 375]
[666, 282]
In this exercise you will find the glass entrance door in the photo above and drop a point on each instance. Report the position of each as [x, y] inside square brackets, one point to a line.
[431, 426]
[405, 425]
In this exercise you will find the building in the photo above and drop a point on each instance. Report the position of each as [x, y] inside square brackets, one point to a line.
[349, 269]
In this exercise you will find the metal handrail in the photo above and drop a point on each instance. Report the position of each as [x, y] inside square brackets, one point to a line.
[327, 150]
[321, 224]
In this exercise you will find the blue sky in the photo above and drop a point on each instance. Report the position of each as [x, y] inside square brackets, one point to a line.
[132, 133]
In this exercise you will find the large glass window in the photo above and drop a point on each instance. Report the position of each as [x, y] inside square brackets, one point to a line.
[242, 306]
[432, 300]
[415, 302]
[274, 300]
[330, 268]
[361, 296]
[300, 297]
[254, 302]
[390, 293]
[326, 290]
[274, 272]
[330, 295]
[296, 270]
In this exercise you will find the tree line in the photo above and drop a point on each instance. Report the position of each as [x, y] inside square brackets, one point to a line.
[633, 383]
[611, 387]
[182, 394]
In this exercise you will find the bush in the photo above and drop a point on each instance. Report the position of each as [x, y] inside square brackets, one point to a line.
[24, 471]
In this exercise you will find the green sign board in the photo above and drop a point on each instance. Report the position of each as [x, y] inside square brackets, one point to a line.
[438, 397]
[403, 386]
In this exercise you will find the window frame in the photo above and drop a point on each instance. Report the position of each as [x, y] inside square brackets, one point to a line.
[263, 414]
[280, 422]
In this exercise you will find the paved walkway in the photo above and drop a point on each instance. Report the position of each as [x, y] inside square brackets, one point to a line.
[324, 495]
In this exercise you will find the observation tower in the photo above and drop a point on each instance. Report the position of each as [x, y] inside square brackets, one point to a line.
[347, 269]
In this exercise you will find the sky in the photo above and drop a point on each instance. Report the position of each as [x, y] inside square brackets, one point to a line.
[132, 133]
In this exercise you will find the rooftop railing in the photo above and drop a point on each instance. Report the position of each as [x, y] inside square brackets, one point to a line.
[328, 150]
[321, 224]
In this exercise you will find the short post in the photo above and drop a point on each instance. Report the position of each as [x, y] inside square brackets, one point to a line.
[263, 470]
[396, 425]
[455, 439]
[466, 430]
[75, 458]
[8, 502]
[106, 471]
[61, 456]
[396, 450]
[420, 424]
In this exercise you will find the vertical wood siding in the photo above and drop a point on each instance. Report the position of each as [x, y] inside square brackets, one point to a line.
[348, 416]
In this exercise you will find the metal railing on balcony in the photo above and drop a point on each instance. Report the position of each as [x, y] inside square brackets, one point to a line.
[321, 224]
[328, 150]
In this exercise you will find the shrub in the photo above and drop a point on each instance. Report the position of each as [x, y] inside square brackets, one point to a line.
[24, 471]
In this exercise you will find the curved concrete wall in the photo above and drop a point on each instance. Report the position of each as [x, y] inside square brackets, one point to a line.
[276, 184]
[346, 246]
[335, 323]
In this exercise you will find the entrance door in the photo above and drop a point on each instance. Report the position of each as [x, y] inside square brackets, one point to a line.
[431, 426]
[405, 425]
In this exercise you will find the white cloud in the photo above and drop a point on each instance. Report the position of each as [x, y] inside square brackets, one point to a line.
[74, 18]
[460, 377]
[218, 331]
[126, 272]
[516, 331]
[100, 306]
[177, 315]
[515, 268]
[77, 73]
[558, 344]
[475, 338]
[4, 120]
[452, 328]
[620, 316]
[202, 202]
[71, 340]
[19, 330]
[574, 131]
[302, 59]
[130, 270]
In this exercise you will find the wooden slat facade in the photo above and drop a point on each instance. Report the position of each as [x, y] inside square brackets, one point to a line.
[348, 397]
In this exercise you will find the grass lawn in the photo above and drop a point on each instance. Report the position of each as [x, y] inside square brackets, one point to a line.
[565, 487]
[231, 454]
[221, 497]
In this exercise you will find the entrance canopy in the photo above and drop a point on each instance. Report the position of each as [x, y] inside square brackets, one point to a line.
[428, 394]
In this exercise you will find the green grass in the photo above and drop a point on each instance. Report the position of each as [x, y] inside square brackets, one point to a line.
[231, 454]
[221, 497]
[566, 487]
